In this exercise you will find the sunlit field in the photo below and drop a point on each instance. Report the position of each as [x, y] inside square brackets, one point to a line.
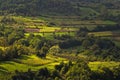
[99, 65]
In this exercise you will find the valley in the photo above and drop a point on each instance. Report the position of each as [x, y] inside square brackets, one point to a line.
[59, 40]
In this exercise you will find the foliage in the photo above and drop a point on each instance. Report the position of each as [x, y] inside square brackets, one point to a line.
[8, 20]
[79, 70]
[101, 9]
[69, 43]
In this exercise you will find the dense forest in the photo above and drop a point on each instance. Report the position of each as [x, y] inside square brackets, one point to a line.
[97, 8]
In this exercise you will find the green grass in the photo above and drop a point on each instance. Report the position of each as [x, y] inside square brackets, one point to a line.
[114, 11]
[53, 29]
[88, 22]
[26, 21]
[49, 29]
[117, 42]
[75, 21]
[24, 63]
[103, 34]
[61, 21]
[49, 35]
[36, 63]
[2, 48]
[87, 11]
[98, 65]
[33, 62]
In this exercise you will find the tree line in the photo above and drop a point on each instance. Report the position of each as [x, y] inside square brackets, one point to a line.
[61, 7]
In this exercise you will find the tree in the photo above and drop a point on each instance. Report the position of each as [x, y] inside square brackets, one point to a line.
[15, 35]
[116, 72]
[79, 71]
[64, 69]
[8, 20]
[59, 67]
[103, 11]
[86, 44]
[55, 74]
[23, 41]
[1, 54]
[54, 50]
[36, 43]
[82, 32]
[107, 74]
[3, 42]
[43, 72]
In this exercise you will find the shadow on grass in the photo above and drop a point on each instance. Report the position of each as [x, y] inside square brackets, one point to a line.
[25, 57]
[3, 70]
[7, 62]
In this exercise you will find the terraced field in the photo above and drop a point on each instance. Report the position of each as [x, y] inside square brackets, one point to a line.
[75, 21]
[34, 63]
[50, 35]
[100, 65]
[64, 25]
[7, 68]
[115, 35]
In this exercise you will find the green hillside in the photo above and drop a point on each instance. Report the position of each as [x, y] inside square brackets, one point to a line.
[59, 39]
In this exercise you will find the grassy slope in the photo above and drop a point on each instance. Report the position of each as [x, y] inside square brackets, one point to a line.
[50, 35]
[36, 63]
[33, 62]
[98, 65]
[36, 22]
[105, 33]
